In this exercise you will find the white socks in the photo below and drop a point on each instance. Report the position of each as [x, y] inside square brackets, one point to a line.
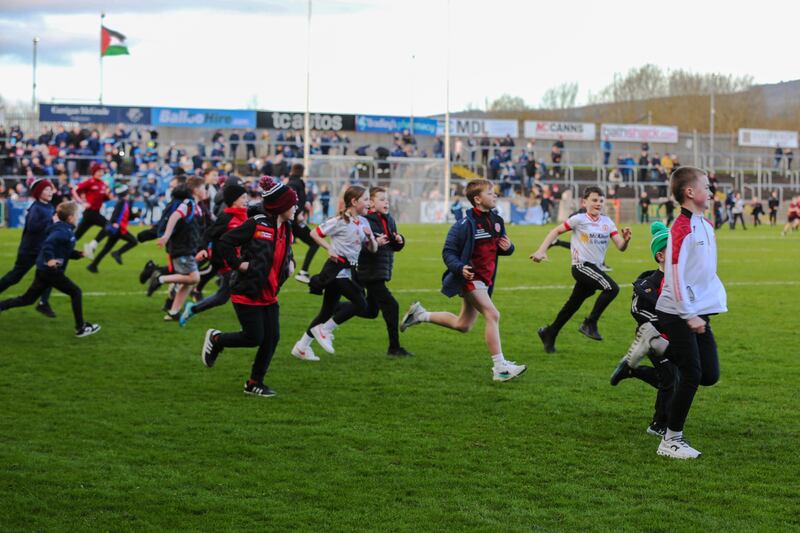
[672, 434]
[498, 360]
[330, 325]
[305, 340]
[426, 317]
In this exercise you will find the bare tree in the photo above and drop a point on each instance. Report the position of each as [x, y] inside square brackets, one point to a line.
[560, 97]
[506, 102]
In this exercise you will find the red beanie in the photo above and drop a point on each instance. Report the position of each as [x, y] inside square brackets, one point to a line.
[276, 196]
[40, 185]
[95, 167]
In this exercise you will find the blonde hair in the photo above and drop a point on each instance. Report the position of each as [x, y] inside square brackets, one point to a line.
[66, 210]
[353, 192]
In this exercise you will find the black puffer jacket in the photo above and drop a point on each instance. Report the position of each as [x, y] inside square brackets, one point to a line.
[256, 239]
[378, 266]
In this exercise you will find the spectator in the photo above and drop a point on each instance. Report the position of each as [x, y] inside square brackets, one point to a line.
[458, 147]
[438, 147]
[644, 208]
[644, 164]
[485, 144]
[249, 138]
[789, 155]
[233, 142]
[778, 156]
[606, 147]
[667, 164]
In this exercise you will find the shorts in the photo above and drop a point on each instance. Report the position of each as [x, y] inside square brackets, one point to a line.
[792, 218]
[474, 285]
[184, 264]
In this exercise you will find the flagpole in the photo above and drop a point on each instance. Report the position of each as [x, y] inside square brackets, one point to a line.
[447, 120]
[307, 133]
[102, 16]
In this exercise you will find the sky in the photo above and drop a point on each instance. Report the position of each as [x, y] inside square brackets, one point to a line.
[377, 56]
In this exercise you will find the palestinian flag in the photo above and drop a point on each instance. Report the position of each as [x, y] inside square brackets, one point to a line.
[112, 43]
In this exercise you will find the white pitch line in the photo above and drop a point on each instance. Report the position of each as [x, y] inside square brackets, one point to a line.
[437, 289]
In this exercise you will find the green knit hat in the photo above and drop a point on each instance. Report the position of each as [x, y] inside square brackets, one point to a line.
[660, 234]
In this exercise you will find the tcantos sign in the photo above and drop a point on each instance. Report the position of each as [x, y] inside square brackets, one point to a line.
[569, 131]
[284, 120]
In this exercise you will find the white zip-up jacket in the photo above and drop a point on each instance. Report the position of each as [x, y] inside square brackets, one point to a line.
[691, 285]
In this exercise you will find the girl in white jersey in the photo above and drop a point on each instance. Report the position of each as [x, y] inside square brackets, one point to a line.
[691, 293]
[593, 231]
[349, 233]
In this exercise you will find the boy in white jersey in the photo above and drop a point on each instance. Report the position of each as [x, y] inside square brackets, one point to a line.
[692, 292]
[593, 231]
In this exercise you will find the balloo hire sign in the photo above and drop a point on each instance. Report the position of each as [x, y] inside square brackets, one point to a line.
[639, 133]
[767, 138]
[569, 131]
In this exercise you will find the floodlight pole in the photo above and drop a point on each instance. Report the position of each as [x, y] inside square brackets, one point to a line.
[33, 93]
[307, 133]
[712, 112]
[447, 121]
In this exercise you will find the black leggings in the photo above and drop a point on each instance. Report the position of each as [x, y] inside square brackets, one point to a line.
[379, 299]
[662, 377]
[92, 218]
[220, 297]
[260, 327]
[588, 279]
[333, 291]
[44, 281]
[205, 278]
[21, 267]
[304, 234]
[697, 362]
[737, 216]
[130, 242]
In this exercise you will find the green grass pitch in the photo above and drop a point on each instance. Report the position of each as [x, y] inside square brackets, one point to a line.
[126, 430]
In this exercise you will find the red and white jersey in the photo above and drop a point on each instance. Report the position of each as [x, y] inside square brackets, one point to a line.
[691, 285]
[591, 236]
[347, 238]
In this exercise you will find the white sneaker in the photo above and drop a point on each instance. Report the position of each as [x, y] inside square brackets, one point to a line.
[412, 317]
[507, 370]
[677, 448]
[306, 354]
[88, 249]
[641, 344]
[324, 338]
[302, 277]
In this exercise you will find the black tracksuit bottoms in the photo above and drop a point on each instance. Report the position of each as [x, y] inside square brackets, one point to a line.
[220, 297]
[45, 281]
[333, 291]
[662, 377]
[379, 299]
[697, 362]
[91, 218]
[130, 242]
[260, 327]
[588, 279]
[304, 234]
[24, 263]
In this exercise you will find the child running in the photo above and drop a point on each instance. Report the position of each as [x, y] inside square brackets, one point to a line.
[117, 229]
[231, 217]
[92, 192]
[51, 263]
[691, 293]
[649, 340]
[375, 270]
[264, 263]
[593, 230]
[182, 237]
[349, 233]
[470, 252]
[793, 216]
[38, 220]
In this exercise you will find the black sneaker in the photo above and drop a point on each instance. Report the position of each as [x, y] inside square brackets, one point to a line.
[153, 284]
[117, 257]
[590, 330]
[258, 389]
[92, 268]
[172, 317]
[398, 352]
[211, 349]
[87, 329]
[146, 272]
[167, 304]
[46, 310]
[656, 430]
[547, 339]
[623, 371]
